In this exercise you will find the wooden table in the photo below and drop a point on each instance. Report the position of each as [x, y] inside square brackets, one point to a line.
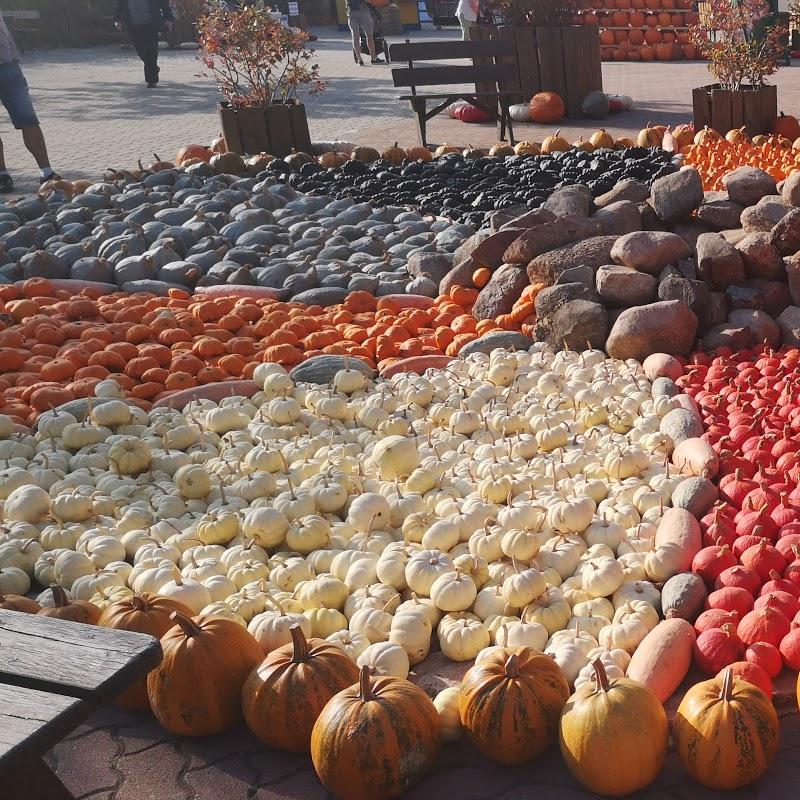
[52, 675]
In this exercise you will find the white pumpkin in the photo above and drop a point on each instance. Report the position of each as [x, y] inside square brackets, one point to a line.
[446, 705]
[464, 639]
[385, 658]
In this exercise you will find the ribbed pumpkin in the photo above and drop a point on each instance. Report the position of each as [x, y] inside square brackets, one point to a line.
[394, 154]
[555, 144]
[285, 694]
[18, 602]
[547, 108]
[786, 125]
[607, 717]
[375, 739]
[725, 732]
[365, 154]
[419, 154]
[196, 690]
[141, 613]
[510, 703]
[71, 610]
[333, 158]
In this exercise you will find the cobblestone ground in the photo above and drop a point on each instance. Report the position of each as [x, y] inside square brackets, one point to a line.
[97, 113]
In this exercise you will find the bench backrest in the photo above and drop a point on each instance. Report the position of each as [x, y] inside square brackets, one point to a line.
[486, 72]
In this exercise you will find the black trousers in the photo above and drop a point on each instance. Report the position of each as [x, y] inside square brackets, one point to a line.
[144, 39]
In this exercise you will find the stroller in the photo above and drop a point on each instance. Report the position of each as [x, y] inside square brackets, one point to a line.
[381, 45]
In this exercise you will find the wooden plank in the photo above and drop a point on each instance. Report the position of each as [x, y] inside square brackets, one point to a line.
[300, 133]
[701, 109]
[69, 658]
[230, 129]
[509, 85]
[437, 51]
[431, 76]
[483, 33]
[530, 81]
[721, 107]
[550, 46]
[279, 130]
[33, 721]
[584, 74]
[253, 130]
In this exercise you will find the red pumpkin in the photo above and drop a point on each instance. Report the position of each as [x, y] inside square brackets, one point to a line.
[711, 561]
[751, 673]
[785, 602]
[790, 647]
[779, 584]
[547, 108]
[739, 577]
[764, 559]
[731, 598]
[766, 624]
[786, 126]
[716, 648]
[715, 618]
[766, 656]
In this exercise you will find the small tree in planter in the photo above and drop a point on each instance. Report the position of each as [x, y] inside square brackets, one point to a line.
[261, 68]
[742, 53]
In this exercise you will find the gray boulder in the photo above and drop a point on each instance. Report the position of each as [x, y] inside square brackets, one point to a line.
[501, 292]
[747, 185]
[631, 190]
[720, 215]
[790, 191]
[460, 275]
[550, 299]
[664, 327]
[529, 219]
[765, 214]
[789, 325]
[761, 258]
[592, 253]
[625, 286]
[430, 265]
[618, 218]
[489, 253]
[726, 335]
[582, 274]
[573, 325]
[649, 251]
[534, 241]
[674, 197]
[792, 266]
[695, 294]
[504, 217]
[570, 200]
[786, 233]
[763, 326]
[719, 263]
[690, 231]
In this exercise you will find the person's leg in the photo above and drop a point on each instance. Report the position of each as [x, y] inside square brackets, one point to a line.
[368, 24]
[34, 140]
[144, 39]
[465, 26]
[2, 158]
[355, 34]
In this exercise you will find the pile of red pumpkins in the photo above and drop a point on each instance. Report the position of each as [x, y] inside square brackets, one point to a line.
[750, 560]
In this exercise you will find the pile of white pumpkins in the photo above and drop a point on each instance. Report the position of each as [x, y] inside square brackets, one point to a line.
[509, 499]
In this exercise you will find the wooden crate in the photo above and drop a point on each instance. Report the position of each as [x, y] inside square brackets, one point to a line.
[278, 129]
[564, 59]
[723, 110]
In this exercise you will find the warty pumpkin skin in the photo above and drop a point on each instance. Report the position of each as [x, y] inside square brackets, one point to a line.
[72, 610]
[141, 613]
[613, 735]
[285, 694]
[726, 732]
[197, 688]
[510, 703]
[375, 739]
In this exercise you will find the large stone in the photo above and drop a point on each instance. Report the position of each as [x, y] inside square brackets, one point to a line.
[543, 238]
[763, 326]
[719, 215]
[790, 191]
[761, 258]
[582, 274]
[665, 327]
[718, 261]
[690, 231]
[792, 266]
[504, 217]
[569, 200]
[489, 253]
[497, 340]
[747, 185]
[717, 309]
[593, 253]
[550, 299]
[530, 219]
[726, 335]
[735, 235]
[775, 294]
[464, 250]
[625, 286]
[649, 251]
[789, 325]
[695, 294]
[574, 325]
[744, 297]
[650, 220]
[765, 214]
[618, 218]
[501, 292]
[460, 275]
[631, 190]
[674, 197]
[431, 265]
[786, 234]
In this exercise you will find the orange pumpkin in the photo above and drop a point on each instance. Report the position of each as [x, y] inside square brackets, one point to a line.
[510, 703]
[190, 151]
[71, 610]
[18, 602]
[547, 108]
[786, 126]
[141, 613]
[636, 19]
[196, 689]
[375, 739]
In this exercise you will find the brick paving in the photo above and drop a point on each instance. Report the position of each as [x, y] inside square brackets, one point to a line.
[97, 113]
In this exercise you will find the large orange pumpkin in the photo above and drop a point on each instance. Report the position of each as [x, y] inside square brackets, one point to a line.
[547, 107]
[286, 693]
[510, 703]
[786, 126]
[647, 53]
[606, 37]
[375, 739]
[664, 51]
[636, 37]
[18, 602]
[196, 690]
[71, 610]
[726, 732]
[190, 151]
[637, 19]
[141, 613]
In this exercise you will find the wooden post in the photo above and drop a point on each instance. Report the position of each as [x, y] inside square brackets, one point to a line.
[230, 129]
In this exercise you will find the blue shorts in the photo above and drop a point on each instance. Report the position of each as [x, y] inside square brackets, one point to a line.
[16, 97]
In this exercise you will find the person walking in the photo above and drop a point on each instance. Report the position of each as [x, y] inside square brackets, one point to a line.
[467, 14]
[360, 19]
[143, 20]
[16, 97]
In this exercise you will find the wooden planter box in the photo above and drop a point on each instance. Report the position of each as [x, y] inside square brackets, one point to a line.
[723, 110]
[276, 129]
[564, 59]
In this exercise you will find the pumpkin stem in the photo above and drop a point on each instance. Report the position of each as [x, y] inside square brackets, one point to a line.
[300, 645]
[187, 624]
[139, 602]
[600, 674]
[365, 685]
[512, 666]
[59, 596]
[726, 693]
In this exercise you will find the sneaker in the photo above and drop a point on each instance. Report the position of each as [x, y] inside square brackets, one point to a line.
[376, 61]
[151, 85]
[54, 177]
[6, 184]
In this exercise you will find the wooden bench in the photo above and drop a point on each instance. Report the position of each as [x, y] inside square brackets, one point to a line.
[52, 676]
[492, 71]
[24, 27]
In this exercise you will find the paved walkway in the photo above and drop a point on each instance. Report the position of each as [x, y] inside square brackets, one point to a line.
[97, 113]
